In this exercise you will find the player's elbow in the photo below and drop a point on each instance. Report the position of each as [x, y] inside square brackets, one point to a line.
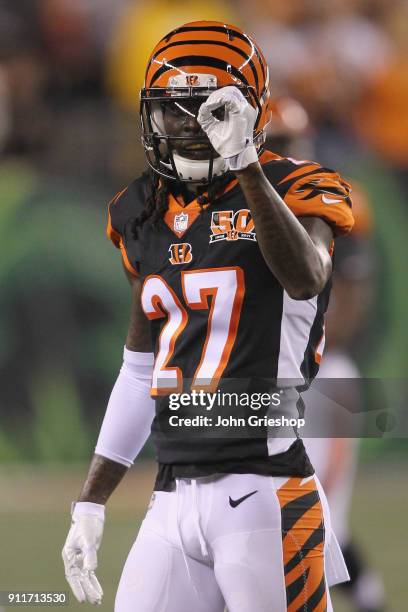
[304, 292]
[310, 285]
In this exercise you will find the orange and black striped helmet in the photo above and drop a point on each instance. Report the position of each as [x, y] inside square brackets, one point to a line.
[188, 64]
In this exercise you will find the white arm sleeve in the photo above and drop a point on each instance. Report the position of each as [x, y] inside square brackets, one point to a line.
[130, 411]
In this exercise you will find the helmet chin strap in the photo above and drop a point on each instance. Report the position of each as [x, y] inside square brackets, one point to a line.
[197, 169]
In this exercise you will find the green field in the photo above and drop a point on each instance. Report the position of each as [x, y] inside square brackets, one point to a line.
[34, 518]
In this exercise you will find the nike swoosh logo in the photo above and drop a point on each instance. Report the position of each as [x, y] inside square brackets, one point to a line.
[328, 200]
[235, 502]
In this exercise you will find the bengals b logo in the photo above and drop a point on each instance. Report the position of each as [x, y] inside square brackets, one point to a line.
[180, 253]
[192, 79]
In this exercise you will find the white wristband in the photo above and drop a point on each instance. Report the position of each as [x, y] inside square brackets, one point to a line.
[243, 159]
[79, 508]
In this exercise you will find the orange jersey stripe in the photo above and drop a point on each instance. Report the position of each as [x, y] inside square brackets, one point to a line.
[126, 260]
[111, 233]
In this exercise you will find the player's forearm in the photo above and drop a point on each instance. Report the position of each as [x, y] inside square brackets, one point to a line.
[103, 477]
[125, 428]
[286, 246]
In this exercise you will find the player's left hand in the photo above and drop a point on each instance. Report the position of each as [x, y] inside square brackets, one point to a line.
[231, 137]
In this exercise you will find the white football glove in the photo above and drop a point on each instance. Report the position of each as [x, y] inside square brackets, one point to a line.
[80, 551]
[231, 137]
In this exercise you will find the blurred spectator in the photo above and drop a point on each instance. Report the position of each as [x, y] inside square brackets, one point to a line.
[358, 47]
[52, 101]
[138, 30]
[326, 54]
[278, 26]
[323, 51]
[67, 31]
[23, 125]
[5, 118]
[381, 117]
[70, 72]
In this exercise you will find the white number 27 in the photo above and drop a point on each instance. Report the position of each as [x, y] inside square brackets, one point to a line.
[226, 288]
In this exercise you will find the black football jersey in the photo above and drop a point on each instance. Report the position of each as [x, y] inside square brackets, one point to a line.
[220, 321]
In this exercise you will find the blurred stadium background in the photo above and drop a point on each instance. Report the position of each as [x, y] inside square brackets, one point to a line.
[70, 71]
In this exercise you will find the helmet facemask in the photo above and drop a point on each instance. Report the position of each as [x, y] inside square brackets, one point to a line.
[163, 150]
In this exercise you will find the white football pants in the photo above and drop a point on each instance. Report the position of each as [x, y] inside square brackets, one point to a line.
[250, 543]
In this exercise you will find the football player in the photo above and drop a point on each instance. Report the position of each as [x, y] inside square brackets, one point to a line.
[227, 248]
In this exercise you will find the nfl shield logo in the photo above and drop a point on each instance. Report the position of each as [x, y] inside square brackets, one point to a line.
[180, 222]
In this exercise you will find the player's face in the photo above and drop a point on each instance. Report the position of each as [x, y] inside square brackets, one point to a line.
[180, 119]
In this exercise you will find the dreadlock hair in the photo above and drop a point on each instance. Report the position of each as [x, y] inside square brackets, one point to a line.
[157, 201]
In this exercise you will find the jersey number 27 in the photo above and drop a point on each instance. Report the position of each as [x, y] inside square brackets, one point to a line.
[218, 290]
